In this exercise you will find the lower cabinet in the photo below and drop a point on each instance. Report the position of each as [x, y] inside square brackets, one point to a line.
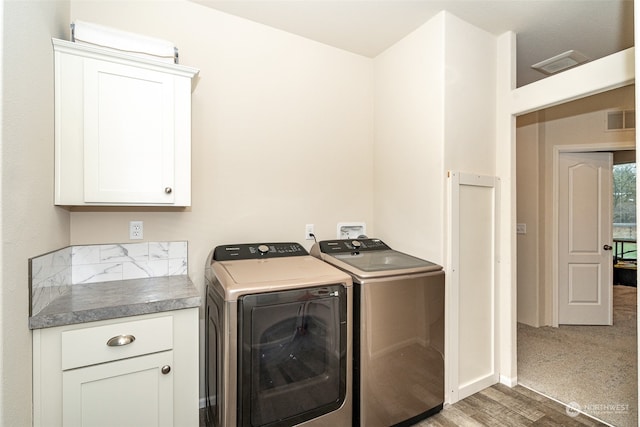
[139, 393]
[134, 371]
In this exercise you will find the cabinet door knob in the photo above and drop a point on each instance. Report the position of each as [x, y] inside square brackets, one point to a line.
[607, 247]
[166, 369]
[168, 190]
[120, 340]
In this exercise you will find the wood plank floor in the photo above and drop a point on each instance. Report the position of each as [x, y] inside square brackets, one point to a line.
[500, 406]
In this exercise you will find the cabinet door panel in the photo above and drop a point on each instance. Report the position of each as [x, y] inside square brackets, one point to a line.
[128, 134]
[132, 392]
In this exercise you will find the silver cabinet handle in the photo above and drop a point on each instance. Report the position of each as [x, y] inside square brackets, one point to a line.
[120, 340]
[166, 369]
[168, 190]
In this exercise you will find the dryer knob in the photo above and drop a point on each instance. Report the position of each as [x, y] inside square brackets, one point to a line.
[356, 244]
[263, 249]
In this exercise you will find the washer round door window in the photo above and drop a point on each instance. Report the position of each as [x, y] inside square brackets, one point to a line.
[292, 358]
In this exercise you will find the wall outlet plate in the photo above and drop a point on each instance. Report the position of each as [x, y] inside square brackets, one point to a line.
[309, 232]
[135, 230]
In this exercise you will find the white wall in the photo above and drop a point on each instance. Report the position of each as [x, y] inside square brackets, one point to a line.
[470, 98]
[409, 143]
[435, 98]
[281, 132]
[434, 112]
[31, 225]
[469, 137]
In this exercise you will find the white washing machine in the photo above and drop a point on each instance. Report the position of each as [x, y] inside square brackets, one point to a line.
[278, 338]
[398, 331]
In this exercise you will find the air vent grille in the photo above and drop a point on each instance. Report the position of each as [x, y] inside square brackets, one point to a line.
[621, 120]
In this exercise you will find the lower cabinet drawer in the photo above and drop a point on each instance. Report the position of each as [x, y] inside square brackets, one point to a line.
[89, 346]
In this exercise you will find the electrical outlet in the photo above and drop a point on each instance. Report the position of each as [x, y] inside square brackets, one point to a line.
[135, 230]
[308, 232]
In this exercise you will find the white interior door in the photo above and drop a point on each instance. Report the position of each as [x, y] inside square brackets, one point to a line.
[585, 259]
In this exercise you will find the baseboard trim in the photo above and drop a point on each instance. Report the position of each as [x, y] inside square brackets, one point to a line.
[509, 381]
[468, 389]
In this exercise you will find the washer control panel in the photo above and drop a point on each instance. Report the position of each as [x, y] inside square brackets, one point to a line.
[352, 245]
[257, 251]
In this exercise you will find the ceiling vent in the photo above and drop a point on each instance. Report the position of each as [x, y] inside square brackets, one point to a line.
[621, 120]
[564, 61]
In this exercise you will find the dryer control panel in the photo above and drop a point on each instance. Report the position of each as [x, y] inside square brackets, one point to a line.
[258, 250]
[352, 245]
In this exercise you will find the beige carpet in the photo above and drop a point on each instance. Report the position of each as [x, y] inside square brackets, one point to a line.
[594, 367]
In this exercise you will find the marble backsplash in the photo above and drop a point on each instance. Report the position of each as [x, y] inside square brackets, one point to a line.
[53, 274]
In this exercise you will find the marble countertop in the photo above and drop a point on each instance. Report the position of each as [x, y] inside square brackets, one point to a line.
[122, 298]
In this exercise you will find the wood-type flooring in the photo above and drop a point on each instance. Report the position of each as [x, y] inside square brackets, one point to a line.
[501, 406]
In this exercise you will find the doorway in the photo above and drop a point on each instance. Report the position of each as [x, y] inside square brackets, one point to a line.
[582, 124]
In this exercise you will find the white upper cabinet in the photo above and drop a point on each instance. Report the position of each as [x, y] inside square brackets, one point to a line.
[122, 128]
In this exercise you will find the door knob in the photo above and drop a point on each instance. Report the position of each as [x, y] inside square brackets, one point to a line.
[607, 247]
[166, 369]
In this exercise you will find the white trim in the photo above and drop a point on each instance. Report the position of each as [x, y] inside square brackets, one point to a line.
[454, 390]
[478, 384]
[452, 295]
[610, 72]
[121, 57]
[509, 381]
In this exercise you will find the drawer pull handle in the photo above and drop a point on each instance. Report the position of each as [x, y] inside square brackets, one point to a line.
[120, 340]
[166, 369]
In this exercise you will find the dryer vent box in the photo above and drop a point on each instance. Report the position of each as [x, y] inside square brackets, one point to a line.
[351, 230]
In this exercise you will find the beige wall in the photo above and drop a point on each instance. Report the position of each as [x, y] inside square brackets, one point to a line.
[409, 147]
[432, 93]
[580, 123]
[31, 225]
[281, 133]
[470, 98]
[282, 129]
[530, 207]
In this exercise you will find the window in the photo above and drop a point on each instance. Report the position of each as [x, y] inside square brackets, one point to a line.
[624, 210]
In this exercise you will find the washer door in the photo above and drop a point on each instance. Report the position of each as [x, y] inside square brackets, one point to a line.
[292, 355]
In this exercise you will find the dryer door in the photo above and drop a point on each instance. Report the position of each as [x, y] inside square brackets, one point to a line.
[292, 355]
